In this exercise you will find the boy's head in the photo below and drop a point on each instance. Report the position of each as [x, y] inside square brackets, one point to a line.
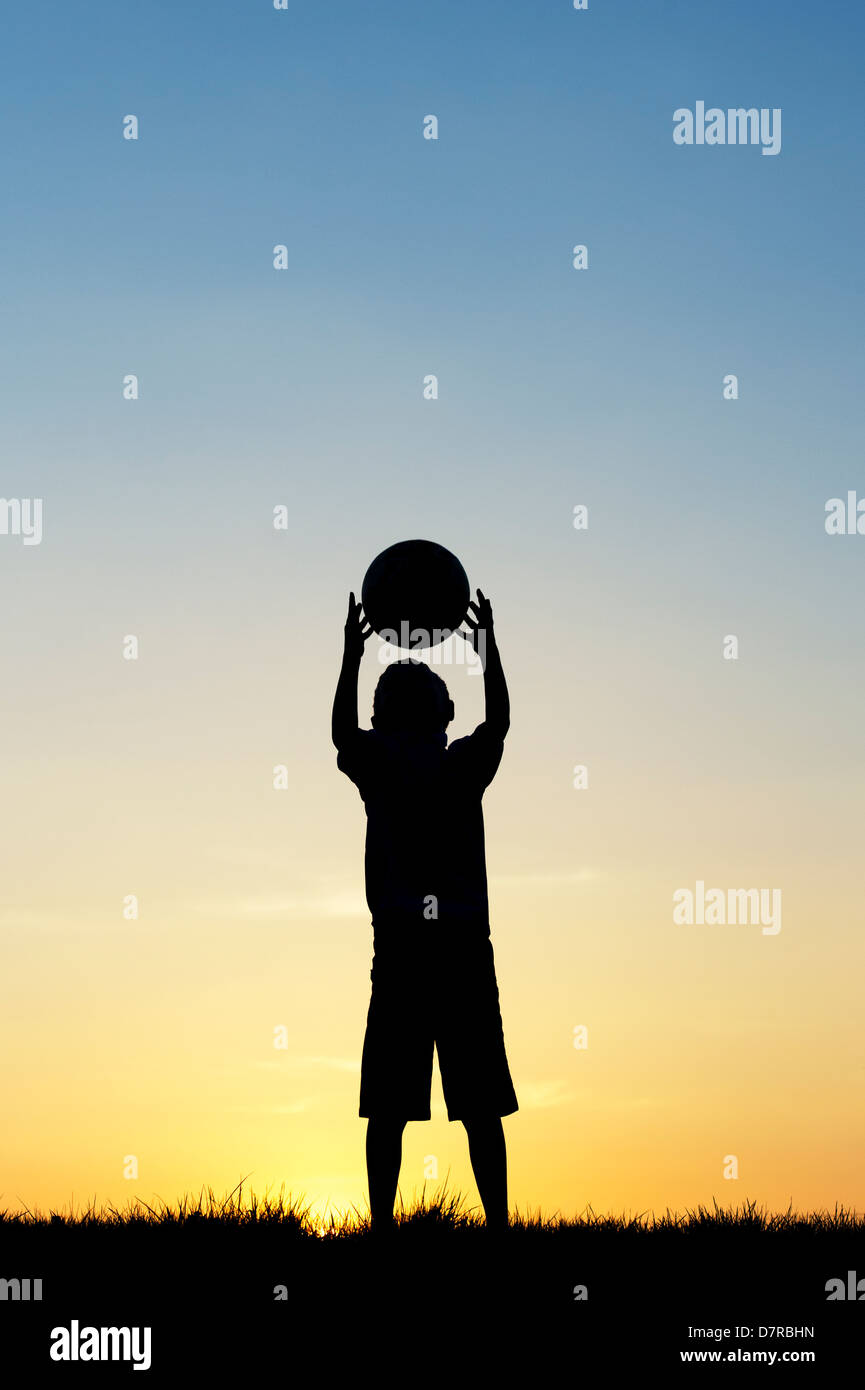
[411, 699]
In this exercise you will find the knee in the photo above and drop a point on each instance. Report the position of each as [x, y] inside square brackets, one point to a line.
[482, 1124]
[385, 1125]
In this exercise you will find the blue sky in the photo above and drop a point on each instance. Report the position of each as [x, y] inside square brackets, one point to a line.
[304, 127]
[409, 256]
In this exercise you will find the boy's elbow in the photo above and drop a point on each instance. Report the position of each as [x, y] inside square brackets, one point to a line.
[342, 734]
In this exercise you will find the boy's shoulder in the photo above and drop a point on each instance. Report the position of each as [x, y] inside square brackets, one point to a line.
[481, 737]
[479, 740]
[479, 753]
[476, 756]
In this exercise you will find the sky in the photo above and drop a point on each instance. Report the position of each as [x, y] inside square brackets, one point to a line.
[303, 388]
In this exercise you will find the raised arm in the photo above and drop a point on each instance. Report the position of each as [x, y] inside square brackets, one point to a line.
[343, 722]
[483, 638]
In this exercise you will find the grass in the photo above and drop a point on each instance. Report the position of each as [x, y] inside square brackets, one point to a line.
[242, 1277]
[442, 1211]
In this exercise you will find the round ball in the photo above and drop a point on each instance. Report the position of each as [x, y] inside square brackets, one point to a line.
[415, 594]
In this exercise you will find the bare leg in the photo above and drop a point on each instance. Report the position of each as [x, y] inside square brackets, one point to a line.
[383, 1159]
[490, 1164]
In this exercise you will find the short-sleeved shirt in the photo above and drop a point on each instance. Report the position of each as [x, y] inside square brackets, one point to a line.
[425, 858]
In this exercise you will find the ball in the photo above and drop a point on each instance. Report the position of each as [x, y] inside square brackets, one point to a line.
[415, 594]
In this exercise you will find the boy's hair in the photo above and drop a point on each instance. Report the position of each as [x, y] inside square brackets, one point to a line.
[410, 698]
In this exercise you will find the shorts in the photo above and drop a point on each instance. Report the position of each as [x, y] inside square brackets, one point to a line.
[424, 996]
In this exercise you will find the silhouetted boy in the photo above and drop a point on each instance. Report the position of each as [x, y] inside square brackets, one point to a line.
[433, 974]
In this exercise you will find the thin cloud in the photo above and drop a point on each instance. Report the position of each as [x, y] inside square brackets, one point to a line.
[541, 879]
[347, 903]
[351, 1064]
[542, 1095]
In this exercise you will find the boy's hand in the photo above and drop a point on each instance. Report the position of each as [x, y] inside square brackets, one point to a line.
[343, 724]
[481, 625]
[355, 635]
[483, 639]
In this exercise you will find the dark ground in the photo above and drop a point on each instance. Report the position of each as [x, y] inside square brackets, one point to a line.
[440, 1293]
